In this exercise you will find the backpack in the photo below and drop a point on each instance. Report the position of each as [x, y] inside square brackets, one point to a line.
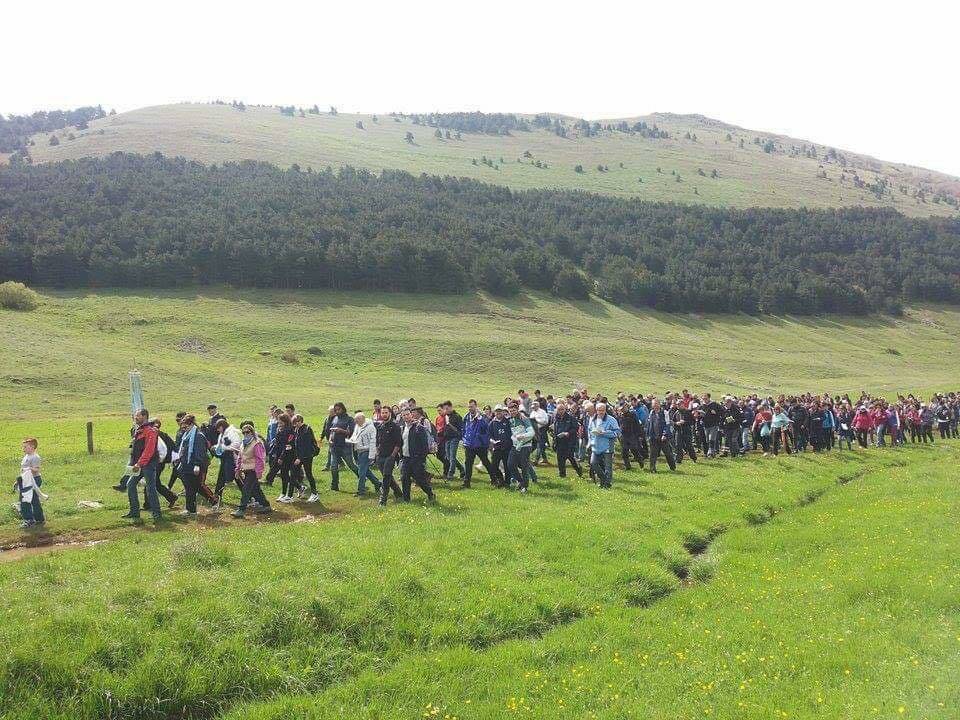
[431, 440]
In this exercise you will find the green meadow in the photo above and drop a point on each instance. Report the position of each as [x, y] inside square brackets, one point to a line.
[811, 586]
[678, 169]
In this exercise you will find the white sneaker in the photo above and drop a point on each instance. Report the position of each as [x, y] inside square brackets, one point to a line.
[313, 498]
[283, 499]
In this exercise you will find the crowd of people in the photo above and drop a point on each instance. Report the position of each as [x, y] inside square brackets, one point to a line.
[398, 446]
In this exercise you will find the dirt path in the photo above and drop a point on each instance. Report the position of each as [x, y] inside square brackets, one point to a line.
[34, 543]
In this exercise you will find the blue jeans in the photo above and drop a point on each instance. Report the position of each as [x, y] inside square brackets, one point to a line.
[603, 467]
[149, 474]
[746, 438]
[32, 511]
[713, 440]
[363, 472]
[450, 453]
[338, 454]
[517, 464]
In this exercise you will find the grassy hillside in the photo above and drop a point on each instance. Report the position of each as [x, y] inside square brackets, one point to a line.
[251, 348]
[746, 588]
[747, 176]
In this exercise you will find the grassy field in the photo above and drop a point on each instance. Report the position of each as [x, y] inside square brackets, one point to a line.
[747, 176]
[802, 587]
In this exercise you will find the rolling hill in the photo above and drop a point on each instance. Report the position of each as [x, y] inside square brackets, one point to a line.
[703, 161]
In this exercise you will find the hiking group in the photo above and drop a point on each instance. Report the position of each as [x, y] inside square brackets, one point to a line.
[393, 447]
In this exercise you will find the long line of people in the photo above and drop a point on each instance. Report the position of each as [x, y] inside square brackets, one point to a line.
[399, 446]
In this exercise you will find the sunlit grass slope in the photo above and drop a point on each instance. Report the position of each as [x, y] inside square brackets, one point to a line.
[634, 166]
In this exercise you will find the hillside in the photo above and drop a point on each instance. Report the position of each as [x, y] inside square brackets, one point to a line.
[392, 345]
[725, 589]
[746, 174]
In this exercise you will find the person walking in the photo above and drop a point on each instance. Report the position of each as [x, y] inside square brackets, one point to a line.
[227, 449]
[143, 462]
[364, 442]
[306, 448]
[250, 467]
[604, 430]
[730, 421]
[193, 458]
[630, 431]
[659, 432]
[389, 453]
[780, 427]
[501, 443]
[710, 411]
[341, 428]
[414, 449]
[521, 438]
[681, 422]
[285, 452]
[452, 434]
[541, 421]
[476, 440]
[565, 428]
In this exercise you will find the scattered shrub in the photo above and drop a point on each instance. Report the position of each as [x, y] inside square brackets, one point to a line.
[17, 296]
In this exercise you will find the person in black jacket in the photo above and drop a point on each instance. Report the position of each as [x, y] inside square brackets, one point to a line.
[710, 418]
[730, 420]
[452, 434]
[389, 453]
[630, 436]
[284, 452]
[501, 443]
[306, 448]
[799, 415]
[414, 449]
[565, 427]
[209, 428]
[683, 422]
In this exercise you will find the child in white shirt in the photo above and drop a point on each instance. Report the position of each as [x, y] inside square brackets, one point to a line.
[28, 486]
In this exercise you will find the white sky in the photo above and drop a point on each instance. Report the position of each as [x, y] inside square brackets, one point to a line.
[875, 77]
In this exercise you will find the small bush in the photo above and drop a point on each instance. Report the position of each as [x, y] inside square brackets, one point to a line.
[17, 296]
[291, 358]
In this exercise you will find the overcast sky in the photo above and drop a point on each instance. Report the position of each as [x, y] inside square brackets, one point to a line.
[875, 77]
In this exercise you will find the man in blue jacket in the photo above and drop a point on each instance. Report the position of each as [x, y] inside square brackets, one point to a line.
[476, 439]
[658, 436]
[604, 431]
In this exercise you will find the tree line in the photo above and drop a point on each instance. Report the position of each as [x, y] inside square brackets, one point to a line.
[473, 122]
[131, 221]
[15, 130]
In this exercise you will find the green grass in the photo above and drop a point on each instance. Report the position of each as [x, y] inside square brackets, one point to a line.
[748, 176]
[811, 586]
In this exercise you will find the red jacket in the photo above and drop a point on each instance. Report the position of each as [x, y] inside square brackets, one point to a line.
[144, 446]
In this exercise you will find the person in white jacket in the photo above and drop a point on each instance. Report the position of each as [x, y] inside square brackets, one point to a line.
[364, 441]
[227, 448]
[541, 420]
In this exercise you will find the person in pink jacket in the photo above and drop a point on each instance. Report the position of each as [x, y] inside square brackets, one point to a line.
[252, 459]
